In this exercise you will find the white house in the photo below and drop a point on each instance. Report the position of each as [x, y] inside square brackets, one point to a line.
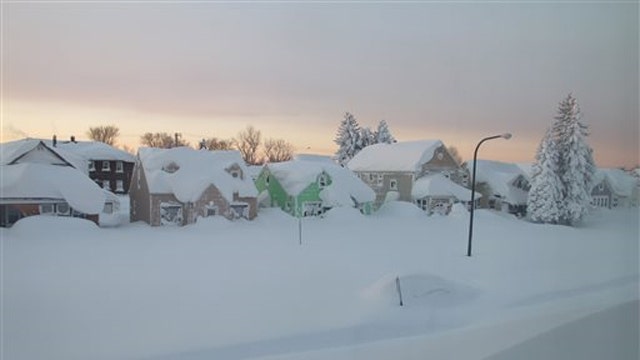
[405, 171]
[504, 186]
[37, 180]
[613, 188]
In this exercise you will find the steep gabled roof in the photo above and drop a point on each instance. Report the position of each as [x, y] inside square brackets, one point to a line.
[401, 156]
[297, 175]
[11, 152]
[187, 173]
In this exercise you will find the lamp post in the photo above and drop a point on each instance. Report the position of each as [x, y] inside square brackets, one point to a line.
[505, 136]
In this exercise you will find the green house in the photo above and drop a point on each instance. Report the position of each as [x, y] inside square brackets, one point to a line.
[309, 188]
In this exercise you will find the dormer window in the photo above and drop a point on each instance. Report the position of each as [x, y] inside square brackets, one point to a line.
[106, 166]
[235, 171]
[92, 166]
[170, 167]
[323, 180]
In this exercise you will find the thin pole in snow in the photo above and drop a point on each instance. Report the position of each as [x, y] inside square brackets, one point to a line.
[300, 230]
[399, 290]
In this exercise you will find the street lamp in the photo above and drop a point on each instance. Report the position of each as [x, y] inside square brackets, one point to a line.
[505, 136]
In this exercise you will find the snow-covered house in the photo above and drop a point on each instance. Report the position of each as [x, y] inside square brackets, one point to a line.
[613, 188]
[504, 186]
[422, 172]
[109, 167]
[176, 186]
[36, 180]
[311, 187]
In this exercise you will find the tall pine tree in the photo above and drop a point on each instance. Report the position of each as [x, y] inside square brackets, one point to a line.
[382, 134]
[545, 196]
[348, 139]
[574, 165]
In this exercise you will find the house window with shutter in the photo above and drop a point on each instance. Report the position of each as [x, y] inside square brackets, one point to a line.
[119, 185]
[92, 166]
[393, 184]
[106, 166]
[119, 167]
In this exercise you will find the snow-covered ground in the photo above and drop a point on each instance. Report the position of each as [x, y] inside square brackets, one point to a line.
[249, 289]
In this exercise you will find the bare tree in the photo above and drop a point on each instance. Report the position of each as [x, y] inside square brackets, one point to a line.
[106, 134]
[453, 151]
[248, 142]
[277, 150]
[162, 140]
[214, 143]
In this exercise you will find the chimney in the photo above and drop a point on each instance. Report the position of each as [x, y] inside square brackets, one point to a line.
[73, 139]
[55, 141]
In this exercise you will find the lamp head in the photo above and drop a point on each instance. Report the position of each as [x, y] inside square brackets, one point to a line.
[506, 136]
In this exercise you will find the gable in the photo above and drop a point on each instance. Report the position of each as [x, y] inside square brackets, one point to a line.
[38, 153]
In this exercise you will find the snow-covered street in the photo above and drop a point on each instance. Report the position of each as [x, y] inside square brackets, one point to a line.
[248, 289]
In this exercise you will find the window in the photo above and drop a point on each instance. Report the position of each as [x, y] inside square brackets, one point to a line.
[235, 173]
[105, 184]
[170, 167]
[46, 209]
[393, 184]
[170, 213]
[106, 166]
[601, 187]
[266, 181]
[119, 185]
[371, 177]
[380, 179]
[108, 208]
[63, 209]
[92, 166]
[119, 166]
[211, 210]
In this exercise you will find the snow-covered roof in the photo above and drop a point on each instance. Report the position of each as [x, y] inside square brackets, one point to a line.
[12, 150]
[93, 150]
[439, 185]
[400, 156]
[499, 176]
[622, 183]
[297, 175]
[32, 180]
[314, 157]
[194, 171]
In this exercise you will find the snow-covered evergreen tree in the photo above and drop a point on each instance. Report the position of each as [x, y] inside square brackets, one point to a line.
[382, 134]
[367, 137]
[576, 167]
[545, 196]
[348, 139]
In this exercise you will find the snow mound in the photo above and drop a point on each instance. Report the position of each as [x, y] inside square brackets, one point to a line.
[420, 290]
[459, 210]
[42, 226]
[400, 209]
[344, 214]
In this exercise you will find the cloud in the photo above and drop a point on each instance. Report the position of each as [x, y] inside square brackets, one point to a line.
[10, 132]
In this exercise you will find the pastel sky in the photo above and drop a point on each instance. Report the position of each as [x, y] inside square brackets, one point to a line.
[453, 71]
